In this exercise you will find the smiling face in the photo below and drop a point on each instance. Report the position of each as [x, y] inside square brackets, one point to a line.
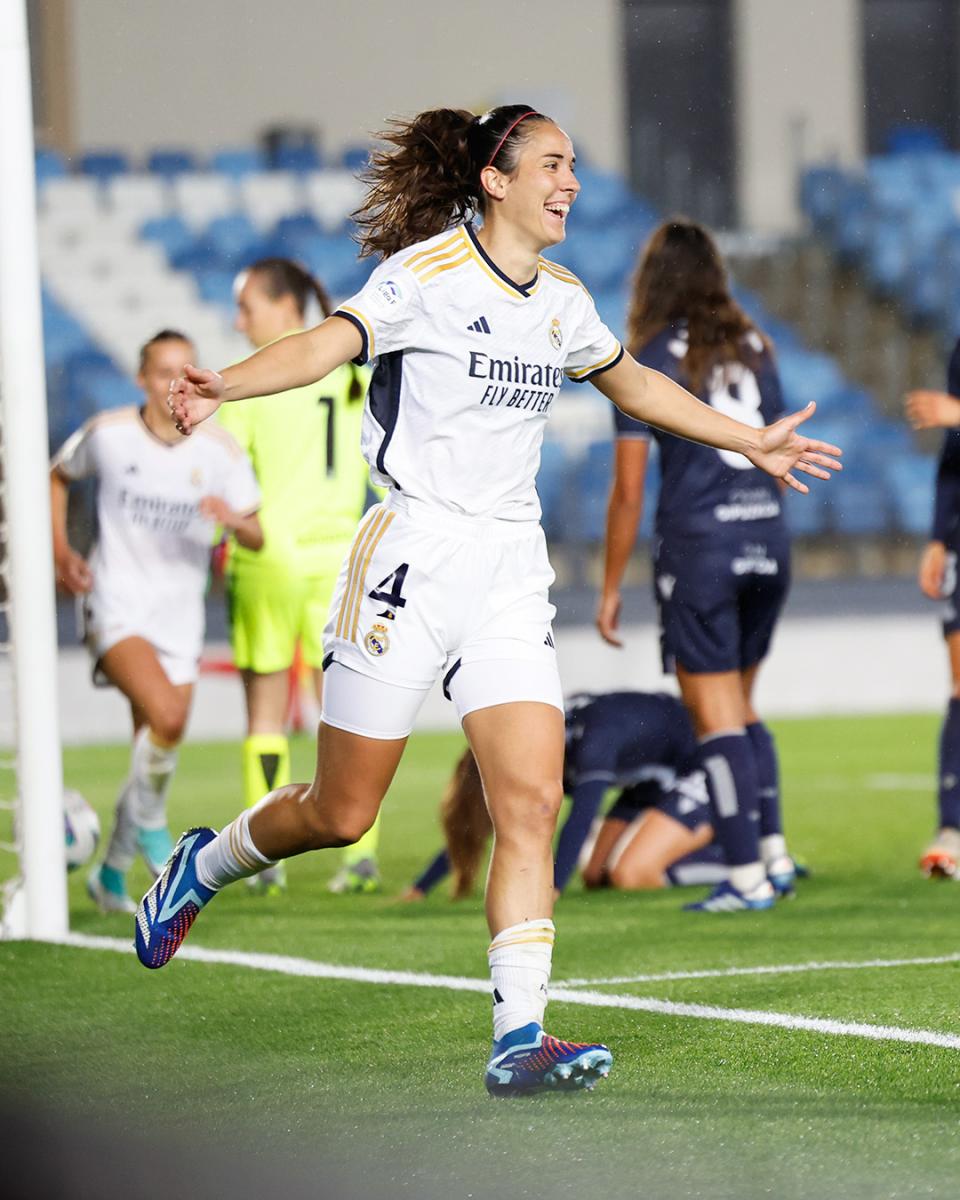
[536, 198]
[163, 361]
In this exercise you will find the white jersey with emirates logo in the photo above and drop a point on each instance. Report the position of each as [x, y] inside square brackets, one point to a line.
[468, 365]
[152, 556]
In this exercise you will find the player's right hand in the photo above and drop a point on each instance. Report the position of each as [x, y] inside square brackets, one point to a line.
[196, 395]
[72, 572]
[608, 618]
[932, 570]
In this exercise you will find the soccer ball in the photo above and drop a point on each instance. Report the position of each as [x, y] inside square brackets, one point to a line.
[82, 829]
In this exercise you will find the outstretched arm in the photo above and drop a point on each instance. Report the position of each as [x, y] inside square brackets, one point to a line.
[291, 362]
[932, 410]
[777, 449]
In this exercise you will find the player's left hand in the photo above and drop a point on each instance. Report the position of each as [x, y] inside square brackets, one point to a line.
[932, 410]
[783, 451]
[215, 508]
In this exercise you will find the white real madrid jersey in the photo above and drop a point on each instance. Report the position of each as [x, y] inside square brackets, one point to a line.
[152, 556]
[468, 365]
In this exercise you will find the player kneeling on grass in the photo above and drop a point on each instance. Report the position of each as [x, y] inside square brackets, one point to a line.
[472, 333]
[159, 502]
[658, 832]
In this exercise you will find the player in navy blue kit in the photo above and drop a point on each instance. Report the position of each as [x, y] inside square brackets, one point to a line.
[938, 580]
[639, 741]
[722, 557]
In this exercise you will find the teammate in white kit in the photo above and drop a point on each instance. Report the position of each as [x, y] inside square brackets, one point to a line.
[472, 334]
[158, 504]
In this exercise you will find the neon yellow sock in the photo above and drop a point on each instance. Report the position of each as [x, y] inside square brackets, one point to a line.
[366, 847]
[266, 765]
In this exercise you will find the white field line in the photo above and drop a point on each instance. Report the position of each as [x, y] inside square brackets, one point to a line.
[304, 967]
[871, 964]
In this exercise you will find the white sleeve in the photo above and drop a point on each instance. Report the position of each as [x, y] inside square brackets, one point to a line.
[593, 348]
[240, 488]
[385, 310]
[76, 458]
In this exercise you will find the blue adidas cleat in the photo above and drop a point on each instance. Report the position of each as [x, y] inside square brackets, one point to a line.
[170, 906]
[156, 846]
[527, 1060]
[725, 898]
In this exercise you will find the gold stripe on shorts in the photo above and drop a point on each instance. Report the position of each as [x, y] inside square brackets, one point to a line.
[354, 550]
[372, 542]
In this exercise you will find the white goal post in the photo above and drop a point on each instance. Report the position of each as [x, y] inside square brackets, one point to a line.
[31, 781]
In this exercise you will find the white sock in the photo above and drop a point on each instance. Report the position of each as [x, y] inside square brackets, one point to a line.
[231, 855]
[520, 958]
[151, 769]
[122, 847]
[748, 877]
[772, 847]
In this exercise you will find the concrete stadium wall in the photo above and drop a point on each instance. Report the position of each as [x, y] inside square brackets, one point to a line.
[800, 95]
[819, 667]
[208, 73]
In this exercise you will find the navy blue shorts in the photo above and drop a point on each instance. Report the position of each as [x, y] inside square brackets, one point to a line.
[685, 800]
[951, 593]
[719, 599]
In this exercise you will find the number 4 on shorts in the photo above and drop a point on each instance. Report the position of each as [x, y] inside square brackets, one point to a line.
[395, 596]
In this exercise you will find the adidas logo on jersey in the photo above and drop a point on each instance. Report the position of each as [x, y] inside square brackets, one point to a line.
[479, 326]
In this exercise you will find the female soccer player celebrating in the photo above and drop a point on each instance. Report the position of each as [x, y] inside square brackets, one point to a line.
[723, 559]
[157, 507]
[472, 333]
[305, 446]
[938, 580]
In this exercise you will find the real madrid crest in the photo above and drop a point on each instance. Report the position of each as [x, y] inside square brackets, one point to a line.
[377, 642]
[556, 334]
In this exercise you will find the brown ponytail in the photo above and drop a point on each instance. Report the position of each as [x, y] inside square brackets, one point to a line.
[284, 277]
[466, 824]
[426, 177]
[681, 277]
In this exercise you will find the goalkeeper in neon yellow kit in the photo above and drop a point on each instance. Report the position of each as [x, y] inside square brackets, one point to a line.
[305, 448]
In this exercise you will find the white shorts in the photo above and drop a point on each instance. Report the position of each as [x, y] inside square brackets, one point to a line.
[425, 594]
[103, 625]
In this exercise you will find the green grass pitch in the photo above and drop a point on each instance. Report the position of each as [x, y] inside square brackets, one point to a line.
[383, 1083]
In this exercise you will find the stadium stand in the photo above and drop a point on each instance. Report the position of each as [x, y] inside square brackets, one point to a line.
[125, 251]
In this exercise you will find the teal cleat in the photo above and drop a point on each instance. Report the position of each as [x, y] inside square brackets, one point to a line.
[156, 846]
[527, 1061]
[107, 888]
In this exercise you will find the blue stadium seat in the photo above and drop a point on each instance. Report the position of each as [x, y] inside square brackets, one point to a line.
[103, 165]
[215, 285]
[171, 162]
[296, 227]
[807, 516]
[592, 490]
[239, 161]
[552, 487]
[355, 158]
[233, 240]
[859, 507]
[300, 158]
[49, 164]
[821, 188]
[171, 232]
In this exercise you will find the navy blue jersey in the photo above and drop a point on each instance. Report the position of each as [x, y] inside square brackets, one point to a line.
[946, 509]
[621, 738]
[704, 491]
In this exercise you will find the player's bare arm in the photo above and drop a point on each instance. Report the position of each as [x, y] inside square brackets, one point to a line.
[624, 510]
[245, 527]
[778, 449]
[928, 409]
[933, 565]
[289, 363]
[72, 571]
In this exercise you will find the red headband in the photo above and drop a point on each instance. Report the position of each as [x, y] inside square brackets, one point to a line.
[510, 129]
